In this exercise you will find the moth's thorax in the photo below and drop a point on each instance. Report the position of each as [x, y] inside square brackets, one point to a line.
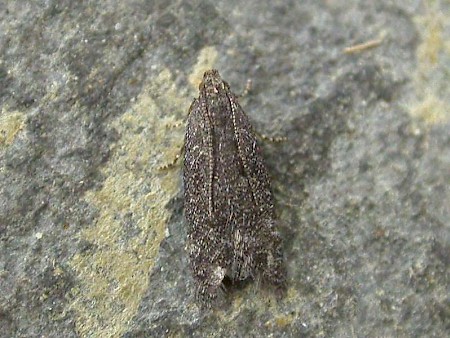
[216, 93]
[213, 84]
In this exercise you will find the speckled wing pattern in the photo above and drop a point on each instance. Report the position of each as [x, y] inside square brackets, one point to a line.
[228, 202]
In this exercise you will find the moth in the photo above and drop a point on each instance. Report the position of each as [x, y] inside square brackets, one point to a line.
[229, 209]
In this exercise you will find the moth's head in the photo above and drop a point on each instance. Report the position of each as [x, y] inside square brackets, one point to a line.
[213, 84]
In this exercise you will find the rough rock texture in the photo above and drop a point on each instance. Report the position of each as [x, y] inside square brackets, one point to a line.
[92, 96]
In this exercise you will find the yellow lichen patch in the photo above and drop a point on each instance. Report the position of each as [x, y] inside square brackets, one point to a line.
[11, 123]
[432, 42]
[125, 237]
[259, 300]
[432, 77]
[206, 60]
[431, 110]
[280, 322]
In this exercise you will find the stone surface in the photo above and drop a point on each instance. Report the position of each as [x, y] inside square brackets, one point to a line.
[91, 229]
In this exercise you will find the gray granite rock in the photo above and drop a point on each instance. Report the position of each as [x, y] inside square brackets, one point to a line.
[92, 97]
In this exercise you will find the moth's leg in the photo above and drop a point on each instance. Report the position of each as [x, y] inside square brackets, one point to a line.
[180, 153]
[264, 137]
[247, 89]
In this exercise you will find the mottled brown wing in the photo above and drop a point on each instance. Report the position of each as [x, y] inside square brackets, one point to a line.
[252, 160]
[196, 173]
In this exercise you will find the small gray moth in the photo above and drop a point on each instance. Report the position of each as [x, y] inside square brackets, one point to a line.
[229, 206]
